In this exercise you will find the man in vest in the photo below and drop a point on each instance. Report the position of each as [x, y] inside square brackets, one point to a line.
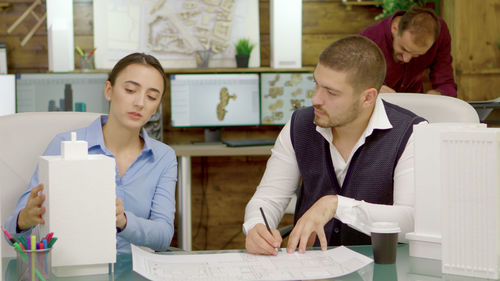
[413, 42]
[351, 152]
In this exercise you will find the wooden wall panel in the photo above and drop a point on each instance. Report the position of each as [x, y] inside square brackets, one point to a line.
[322, 23]
[479, 86]
[10, 15]
[30, 58]
[475, 40]
[475, 29]
[219, 204]
[332, 17]
[83, 18]
[315, 44]
[33, 56]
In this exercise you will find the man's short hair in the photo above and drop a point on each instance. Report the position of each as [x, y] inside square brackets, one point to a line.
[360, 57]
[421, 22]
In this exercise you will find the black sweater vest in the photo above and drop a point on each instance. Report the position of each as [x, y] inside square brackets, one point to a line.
[369, 176]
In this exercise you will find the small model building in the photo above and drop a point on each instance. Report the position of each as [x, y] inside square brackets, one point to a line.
[81, 210]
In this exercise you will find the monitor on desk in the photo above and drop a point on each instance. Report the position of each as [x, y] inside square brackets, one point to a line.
[282, 93]
[83, 92]
[214, 101]
[61, 92]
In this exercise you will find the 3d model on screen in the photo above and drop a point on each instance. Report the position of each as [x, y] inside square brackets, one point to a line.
[224, 100]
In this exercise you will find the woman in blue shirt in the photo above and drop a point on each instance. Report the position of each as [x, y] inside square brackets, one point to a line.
[146, 169]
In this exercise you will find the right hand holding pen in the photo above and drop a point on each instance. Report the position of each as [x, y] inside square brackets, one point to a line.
[32, 214]
[260, 241]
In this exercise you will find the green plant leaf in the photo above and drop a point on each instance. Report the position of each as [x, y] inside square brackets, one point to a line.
[389, 7]
[244, 47]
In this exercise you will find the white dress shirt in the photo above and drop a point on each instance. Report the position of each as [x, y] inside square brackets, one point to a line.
[282, 175]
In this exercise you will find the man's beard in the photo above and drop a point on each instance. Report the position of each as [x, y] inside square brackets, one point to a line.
[337, 121]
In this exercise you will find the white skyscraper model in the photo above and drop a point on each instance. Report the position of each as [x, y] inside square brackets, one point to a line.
[425, 241]
[457, 213]
[470, 183]
[80, 190]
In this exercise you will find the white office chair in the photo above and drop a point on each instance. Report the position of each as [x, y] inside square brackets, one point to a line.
[24, 138]
[434, 108]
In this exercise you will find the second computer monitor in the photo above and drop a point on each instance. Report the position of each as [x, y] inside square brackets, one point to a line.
[282, 94]
[214, 100]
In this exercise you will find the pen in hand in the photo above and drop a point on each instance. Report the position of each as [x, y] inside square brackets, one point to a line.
[276, 245]
[265, 220]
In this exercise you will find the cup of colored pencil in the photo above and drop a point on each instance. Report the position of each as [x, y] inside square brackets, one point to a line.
[33, 256]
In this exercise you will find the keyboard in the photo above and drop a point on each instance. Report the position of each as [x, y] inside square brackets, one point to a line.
[249, 142]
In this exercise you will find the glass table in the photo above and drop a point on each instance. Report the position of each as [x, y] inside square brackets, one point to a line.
[406, 268]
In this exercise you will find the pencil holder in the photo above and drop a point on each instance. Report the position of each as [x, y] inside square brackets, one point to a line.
[86, 62]
[33, 265]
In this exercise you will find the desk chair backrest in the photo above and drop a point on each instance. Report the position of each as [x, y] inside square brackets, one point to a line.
[23, 138]
[434, 108]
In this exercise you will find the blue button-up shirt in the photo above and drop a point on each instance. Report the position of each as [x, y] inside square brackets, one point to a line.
[147, 189]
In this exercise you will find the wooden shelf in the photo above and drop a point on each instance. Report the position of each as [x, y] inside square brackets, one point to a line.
[362, 3]
[218, 70]
[237, 70]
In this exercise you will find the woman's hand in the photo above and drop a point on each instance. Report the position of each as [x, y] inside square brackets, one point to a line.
[121, 218]
[32, 214]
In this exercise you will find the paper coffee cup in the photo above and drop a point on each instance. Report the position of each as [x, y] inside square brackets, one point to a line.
[384, 237]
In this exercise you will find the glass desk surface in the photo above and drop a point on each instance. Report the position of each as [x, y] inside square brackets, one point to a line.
[406, 268]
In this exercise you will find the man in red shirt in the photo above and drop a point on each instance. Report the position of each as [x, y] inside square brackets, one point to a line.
[412, 42]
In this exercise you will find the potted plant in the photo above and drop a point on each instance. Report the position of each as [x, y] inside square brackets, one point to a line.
[389, 7]
[243, 50]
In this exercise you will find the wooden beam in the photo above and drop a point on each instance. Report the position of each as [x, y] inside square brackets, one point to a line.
[21, 18]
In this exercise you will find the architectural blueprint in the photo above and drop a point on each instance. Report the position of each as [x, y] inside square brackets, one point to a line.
[314, 264]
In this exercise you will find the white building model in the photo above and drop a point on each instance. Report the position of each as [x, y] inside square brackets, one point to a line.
[80, 190]
[457, 186]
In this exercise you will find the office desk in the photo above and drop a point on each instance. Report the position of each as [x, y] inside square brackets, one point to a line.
[406, 269]
[484, 108]
[184, 154]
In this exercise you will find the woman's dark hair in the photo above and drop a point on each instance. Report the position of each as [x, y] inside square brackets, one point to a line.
[137, 58]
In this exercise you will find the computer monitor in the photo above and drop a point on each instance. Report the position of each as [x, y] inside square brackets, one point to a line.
[214, 101]
[71, 92]
[61, 92]
[282, 94]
